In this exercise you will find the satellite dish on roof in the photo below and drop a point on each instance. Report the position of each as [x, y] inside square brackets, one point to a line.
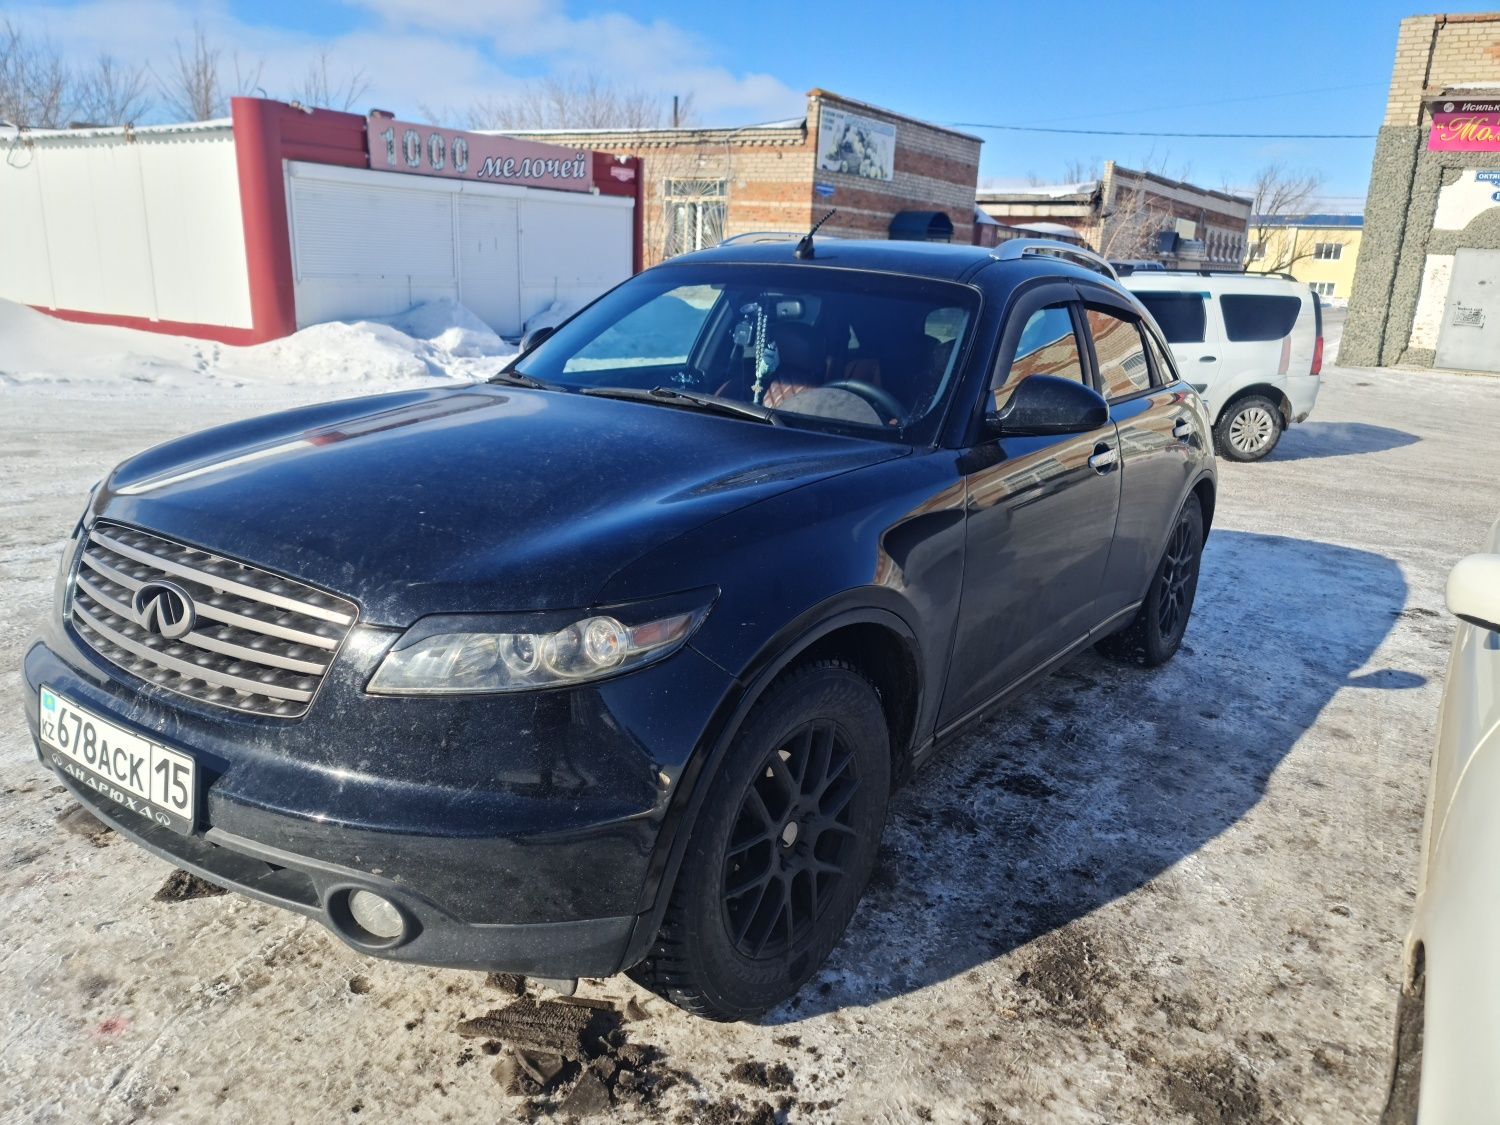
[9, 132]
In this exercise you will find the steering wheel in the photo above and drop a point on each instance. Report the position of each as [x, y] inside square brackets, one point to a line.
[877, 397]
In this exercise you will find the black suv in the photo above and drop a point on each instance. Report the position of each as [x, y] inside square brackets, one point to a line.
[612, 663]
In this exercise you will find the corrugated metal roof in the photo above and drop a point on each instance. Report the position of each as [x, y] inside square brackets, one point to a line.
[216, 125]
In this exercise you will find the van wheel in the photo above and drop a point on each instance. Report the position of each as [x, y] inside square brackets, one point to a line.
[1155, 634]
[1249, 429]
[781, 850]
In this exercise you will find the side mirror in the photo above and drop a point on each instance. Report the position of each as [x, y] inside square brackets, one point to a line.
[1046, 405]
[1474, 591]
[536, 336]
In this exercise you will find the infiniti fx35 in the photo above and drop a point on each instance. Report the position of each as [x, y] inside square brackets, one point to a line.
[611, 663]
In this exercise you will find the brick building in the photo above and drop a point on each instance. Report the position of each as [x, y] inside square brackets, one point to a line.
[1427, 286]
[888, 176]
[1125, 214]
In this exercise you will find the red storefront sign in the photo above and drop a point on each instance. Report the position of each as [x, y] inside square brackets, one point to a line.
[1461, 126]
[427, 150]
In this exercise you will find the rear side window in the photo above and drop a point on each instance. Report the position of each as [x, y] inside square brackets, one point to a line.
[1180, 315]
[1165, 373]
[1122, 358]
[1047, 346]
[1256, 316]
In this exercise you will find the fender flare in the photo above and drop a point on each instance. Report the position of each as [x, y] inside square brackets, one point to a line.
[692, 787]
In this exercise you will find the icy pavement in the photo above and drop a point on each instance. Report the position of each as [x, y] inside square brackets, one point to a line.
[1135, 896]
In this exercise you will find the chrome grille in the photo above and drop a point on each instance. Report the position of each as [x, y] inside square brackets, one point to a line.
[260, 643]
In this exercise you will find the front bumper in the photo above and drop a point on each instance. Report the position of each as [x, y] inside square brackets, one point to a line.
[513, 832]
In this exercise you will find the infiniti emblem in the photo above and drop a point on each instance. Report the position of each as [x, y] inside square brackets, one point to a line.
[164, 608]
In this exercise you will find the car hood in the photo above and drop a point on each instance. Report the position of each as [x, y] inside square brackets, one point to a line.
[480, 499]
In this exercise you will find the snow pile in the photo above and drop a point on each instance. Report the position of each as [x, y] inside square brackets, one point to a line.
[550, 317]
[440, 340]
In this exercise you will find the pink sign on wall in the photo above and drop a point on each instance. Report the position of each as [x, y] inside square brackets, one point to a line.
[1460, 126]
[427, 150]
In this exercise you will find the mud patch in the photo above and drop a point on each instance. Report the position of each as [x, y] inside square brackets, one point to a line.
[183, 885]
[512, 984]
[1025, 785]
[1072, 979]
[78, 821]
[764, 1076]
[1215, 1089]
[571, 1059]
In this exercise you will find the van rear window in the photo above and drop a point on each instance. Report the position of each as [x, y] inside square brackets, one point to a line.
[1259, 317]
[1179, 314]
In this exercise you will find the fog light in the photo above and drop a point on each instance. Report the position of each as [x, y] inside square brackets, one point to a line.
[378, 917]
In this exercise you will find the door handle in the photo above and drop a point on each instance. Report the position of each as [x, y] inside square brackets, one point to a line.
[1207, 358]
[1104, 459]
[1182, 429]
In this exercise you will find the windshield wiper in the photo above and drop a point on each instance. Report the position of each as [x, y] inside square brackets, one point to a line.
[516, 379]
[670, 396]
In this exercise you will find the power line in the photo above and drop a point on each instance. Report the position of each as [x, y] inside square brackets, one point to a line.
[1223, 101]
[1145, 133]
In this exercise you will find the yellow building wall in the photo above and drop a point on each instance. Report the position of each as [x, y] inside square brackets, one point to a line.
[1284, 242]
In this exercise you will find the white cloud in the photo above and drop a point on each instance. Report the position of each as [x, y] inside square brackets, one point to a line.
[435, 53]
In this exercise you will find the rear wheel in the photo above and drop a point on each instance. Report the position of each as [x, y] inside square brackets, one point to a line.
[781, 850]
[1249, 429]
[1156, 632]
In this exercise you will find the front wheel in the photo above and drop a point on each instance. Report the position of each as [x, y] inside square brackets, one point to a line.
[1155, 634]
[780, 852]
[1249, 429]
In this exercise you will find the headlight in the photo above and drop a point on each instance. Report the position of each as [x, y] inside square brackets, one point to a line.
[455, 661]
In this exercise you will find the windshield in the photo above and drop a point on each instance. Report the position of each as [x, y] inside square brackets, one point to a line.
[872, 355]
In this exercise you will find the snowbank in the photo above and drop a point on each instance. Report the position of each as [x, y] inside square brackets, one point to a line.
[437, 341]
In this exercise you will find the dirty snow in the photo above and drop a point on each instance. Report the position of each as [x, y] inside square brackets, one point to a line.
[440, 341]
[1135, 896]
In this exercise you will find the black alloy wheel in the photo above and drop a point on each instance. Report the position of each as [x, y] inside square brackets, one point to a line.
[781, 850]
[1155, 633]
[791, 841]
[1176, 579]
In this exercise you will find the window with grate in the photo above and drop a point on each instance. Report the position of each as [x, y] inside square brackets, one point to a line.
[695, 213]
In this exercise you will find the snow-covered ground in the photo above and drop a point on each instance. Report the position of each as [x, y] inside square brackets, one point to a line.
[436, 342]
[1136, 896]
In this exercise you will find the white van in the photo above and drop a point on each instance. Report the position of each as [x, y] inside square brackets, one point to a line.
[1252, 344]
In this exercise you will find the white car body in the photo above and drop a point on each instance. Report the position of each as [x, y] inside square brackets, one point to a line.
[1211, 348]
[1448, 1036]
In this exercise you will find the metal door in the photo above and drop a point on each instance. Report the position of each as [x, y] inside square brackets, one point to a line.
[1470, 337]
[489, 276]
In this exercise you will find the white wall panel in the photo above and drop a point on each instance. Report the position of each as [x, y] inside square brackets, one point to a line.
[489, 280]
[146, 227]
[197, 233]
[572, 249]
[372, 243]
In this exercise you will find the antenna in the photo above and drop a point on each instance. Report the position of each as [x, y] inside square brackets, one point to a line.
[805, 246]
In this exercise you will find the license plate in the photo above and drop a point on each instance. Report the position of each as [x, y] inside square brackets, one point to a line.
[146, 777]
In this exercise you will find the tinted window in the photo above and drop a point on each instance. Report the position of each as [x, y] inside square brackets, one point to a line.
[1160, 360]
[1180, 315]
[792, 339]
[1122, 358]
[1047, 346]
[660, 332]
[1255, 316]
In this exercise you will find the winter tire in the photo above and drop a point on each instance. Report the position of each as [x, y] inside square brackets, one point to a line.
[781, 850]
[1156, 632]
[1249, 429]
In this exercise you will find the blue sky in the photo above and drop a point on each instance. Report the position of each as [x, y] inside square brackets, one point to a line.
[1268, 67]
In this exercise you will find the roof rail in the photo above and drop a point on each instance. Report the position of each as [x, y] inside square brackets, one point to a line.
[1226, 272]
[1015, 249]
[768, 236]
